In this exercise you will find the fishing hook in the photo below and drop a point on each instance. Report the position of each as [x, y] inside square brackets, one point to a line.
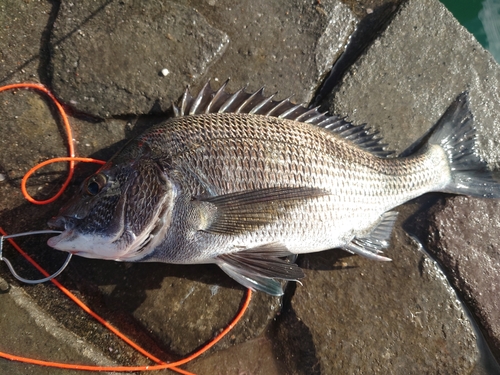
[14, 273]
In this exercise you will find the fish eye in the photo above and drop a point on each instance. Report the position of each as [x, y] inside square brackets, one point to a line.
[95, 184]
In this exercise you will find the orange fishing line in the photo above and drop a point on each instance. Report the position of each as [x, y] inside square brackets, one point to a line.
[47, 162]
[69, 134]
[161, 365]
[72, 159]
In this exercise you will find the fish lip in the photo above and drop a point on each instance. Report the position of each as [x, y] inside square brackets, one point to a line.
[53, 241]
[63, 223]
[67, 235]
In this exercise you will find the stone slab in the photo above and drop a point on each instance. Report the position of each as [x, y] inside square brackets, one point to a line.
[108, 57]
[463, 234]
[362, 316]
[414, 70]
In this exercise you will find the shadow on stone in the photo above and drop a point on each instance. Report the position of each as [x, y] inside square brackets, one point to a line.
[325, 260]
[293, 341]
[44, 55]
[413, 224]
[44, 67]
[367, 30]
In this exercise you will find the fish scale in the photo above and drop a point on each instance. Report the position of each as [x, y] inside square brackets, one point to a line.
[273, 150]
[241, 180]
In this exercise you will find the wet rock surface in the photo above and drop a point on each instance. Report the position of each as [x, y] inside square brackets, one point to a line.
[394, 317]
[390, 93]
[462, 233]
[108, 56]
[351, 315]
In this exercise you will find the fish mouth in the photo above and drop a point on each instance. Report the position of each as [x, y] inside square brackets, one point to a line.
[64, 236]
[66, 224]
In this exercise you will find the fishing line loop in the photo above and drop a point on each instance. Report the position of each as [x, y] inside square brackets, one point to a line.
[11, 268]
[71, 159]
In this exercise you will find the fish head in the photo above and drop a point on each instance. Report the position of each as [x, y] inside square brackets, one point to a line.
[119, 213]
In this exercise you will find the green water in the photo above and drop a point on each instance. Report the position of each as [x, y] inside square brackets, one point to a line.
[482, 19]
[466, 12]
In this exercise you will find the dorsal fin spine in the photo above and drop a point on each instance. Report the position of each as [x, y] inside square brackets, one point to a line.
[278, 106]
[290, 111]
[209, 101]
[260, 105]
[197, 101]
[186, 98]
[218, 94]
[249, 100]
[231, 100]
[303, 117]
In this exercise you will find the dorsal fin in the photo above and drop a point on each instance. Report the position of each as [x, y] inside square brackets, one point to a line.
[210, 101]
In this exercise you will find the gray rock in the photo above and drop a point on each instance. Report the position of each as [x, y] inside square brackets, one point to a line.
[181, 307]
[351, 313]
[109, 58]
[115, 58]
[401, 86]
[253, 357]
[394, 317]
[463, 234]
[414, 70]
[40, 333]
[23, 55]
[288, 46]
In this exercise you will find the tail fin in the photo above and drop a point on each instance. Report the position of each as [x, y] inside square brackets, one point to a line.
[456, 134]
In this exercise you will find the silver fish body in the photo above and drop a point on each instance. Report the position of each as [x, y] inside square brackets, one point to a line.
[219, 154]
[242, 181]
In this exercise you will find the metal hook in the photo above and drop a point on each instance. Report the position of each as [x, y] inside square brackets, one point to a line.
[14, 273]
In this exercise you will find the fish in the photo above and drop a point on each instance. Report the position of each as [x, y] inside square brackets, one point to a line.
[246, 182]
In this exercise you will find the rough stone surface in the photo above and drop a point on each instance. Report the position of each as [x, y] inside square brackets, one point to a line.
[253, 357]
[44, 335]
[463, 235]
[401, 86]
[279, 44]
[181, 307]
[403, 83]
[362, 8]
[23, 40]
[108, 57]
[380, 317]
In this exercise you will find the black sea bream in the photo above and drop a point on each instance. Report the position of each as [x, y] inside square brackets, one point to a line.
[242, 181]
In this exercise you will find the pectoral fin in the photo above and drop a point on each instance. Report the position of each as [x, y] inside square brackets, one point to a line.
[257, 268]
[377, 239]
[248, 210]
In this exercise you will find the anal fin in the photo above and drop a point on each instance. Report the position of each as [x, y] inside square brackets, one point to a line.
[377, 239]
[257, 268]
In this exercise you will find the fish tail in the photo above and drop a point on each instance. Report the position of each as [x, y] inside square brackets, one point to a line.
[456, 135]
